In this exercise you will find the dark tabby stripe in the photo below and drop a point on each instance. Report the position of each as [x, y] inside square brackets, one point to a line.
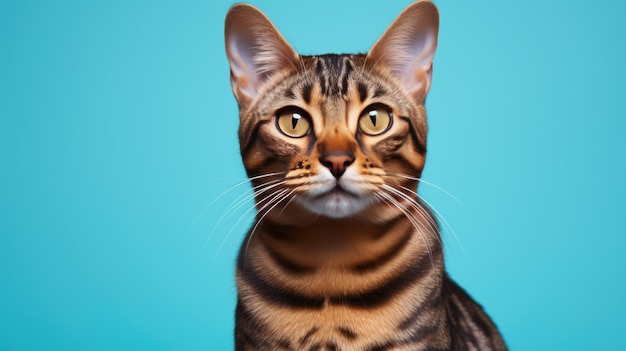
[363, 91]
[347, 332]
[274, 293]
[387, 256]
[288, 265]
[417, 142]
[465, 318]
[333, 72]
[390, 226]
[395, 285]
[308, 335]
[372, 298]
[284, 344]
[415, 338]
[347, 70]
[380, 92]
[290, 94]
[249, 331]
[252, 139]
[434, 301]
[319, 72]
[306, 92]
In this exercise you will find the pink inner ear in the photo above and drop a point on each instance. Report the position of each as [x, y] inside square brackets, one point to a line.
[243, 67]
[417, 71]
[408, 47]
[255, 51]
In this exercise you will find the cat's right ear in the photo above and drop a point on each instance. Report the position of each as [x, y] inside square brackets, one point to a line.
[256, 51]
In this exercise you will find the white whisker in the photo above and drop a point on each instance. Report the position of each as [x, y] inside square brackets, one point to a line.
[236, 185]
[277, 200]
[239, 202]
[416, 206]
[456, 237]
[421, 180]
[389, 199]
[287, 204]
[269, 198]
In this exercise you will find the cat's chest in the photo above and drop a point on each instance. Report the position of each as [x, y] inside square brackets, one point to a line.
[333, 328]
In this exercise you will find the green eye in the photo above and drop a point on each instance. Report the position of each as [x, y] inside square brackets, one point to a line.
[293, 122]
[375, 120]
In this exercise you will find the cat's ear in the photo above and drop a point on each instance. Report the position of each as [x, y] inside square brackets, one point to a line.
[408, 46]
[255, 50]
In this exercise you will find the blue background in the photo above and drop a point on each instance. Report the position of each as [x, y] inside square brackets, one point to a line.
[118, 128]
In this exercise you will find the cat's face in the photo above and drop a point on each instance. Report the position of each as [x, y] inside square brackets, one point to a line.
[332, 134]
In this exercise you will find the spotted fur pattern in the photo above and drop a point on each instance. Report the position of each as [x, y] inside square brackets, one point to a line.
[343, 254]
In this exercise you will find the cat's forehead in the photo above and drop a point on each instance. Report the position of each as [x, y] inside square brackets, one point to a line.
[330, 85]
[336, 74]
[333, 73]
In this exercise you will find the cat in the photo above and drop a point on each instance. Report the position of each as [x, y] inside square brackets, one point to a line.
[343, 254]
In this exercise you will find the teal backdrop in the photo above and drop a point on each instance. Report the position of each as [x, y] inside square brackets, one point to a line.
[118, 135]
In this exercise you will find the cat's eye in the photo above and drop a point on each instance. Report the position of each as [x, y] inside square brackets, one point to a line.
[293, 122]
[375, 120]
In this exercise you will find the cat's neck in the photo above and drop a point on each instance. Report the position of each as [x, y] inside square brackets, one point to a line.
[334, 258]
[348, 244]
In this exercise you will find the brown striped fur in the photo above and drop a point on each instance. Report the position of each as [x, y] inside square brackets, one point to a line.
[343, 255]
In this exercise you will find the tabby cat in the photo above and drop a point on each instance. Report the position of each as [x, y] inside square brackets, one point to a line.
[343, 254]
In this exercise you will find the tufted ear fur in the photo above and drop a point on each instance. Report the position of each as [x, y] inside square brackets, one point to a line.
[408, 46]
[256, 51]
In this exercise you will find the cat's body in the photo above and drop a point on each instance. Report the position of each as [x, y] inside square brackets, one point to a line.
[343, 254]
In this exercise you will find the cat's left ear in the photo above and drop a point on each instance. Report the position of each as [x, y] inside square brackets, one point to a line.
[407, 48]
[255, 50]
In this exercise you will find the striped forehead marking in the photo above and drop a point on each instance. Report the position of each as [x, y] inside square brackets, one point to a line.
[333, 73]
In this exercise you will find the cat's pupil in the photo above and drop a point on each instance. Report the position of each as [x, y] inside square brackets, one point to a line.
[373, 116]
[295, 117]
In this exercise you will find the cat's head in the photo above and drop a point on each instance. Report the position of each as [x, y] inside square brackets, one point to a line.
[332, 134]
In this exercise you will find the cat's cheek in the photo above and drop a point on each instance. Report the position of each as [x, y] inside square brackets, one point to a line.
[278, 148]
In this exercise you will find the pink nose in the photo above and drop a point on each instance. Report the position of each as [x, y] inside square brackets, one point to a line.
[337, 162]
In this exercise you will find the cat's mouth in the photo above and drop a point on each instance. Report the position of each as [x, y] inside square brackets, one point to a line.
[337, 190]
[336, 202]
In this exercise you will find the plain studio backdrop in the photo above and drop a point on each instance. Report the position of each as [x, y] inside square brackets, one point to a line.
[118, 135]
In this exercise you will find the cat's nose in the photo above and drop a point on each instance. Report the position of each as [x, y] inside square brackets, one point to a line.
[337, 162]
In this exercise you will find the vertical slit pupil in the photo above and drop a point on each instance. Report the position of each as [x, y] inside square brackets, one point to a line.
[295, 117]
[373, 114]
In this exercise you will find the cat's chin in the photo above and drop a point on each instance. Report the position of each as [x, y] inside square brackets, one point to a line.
[336, 203]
